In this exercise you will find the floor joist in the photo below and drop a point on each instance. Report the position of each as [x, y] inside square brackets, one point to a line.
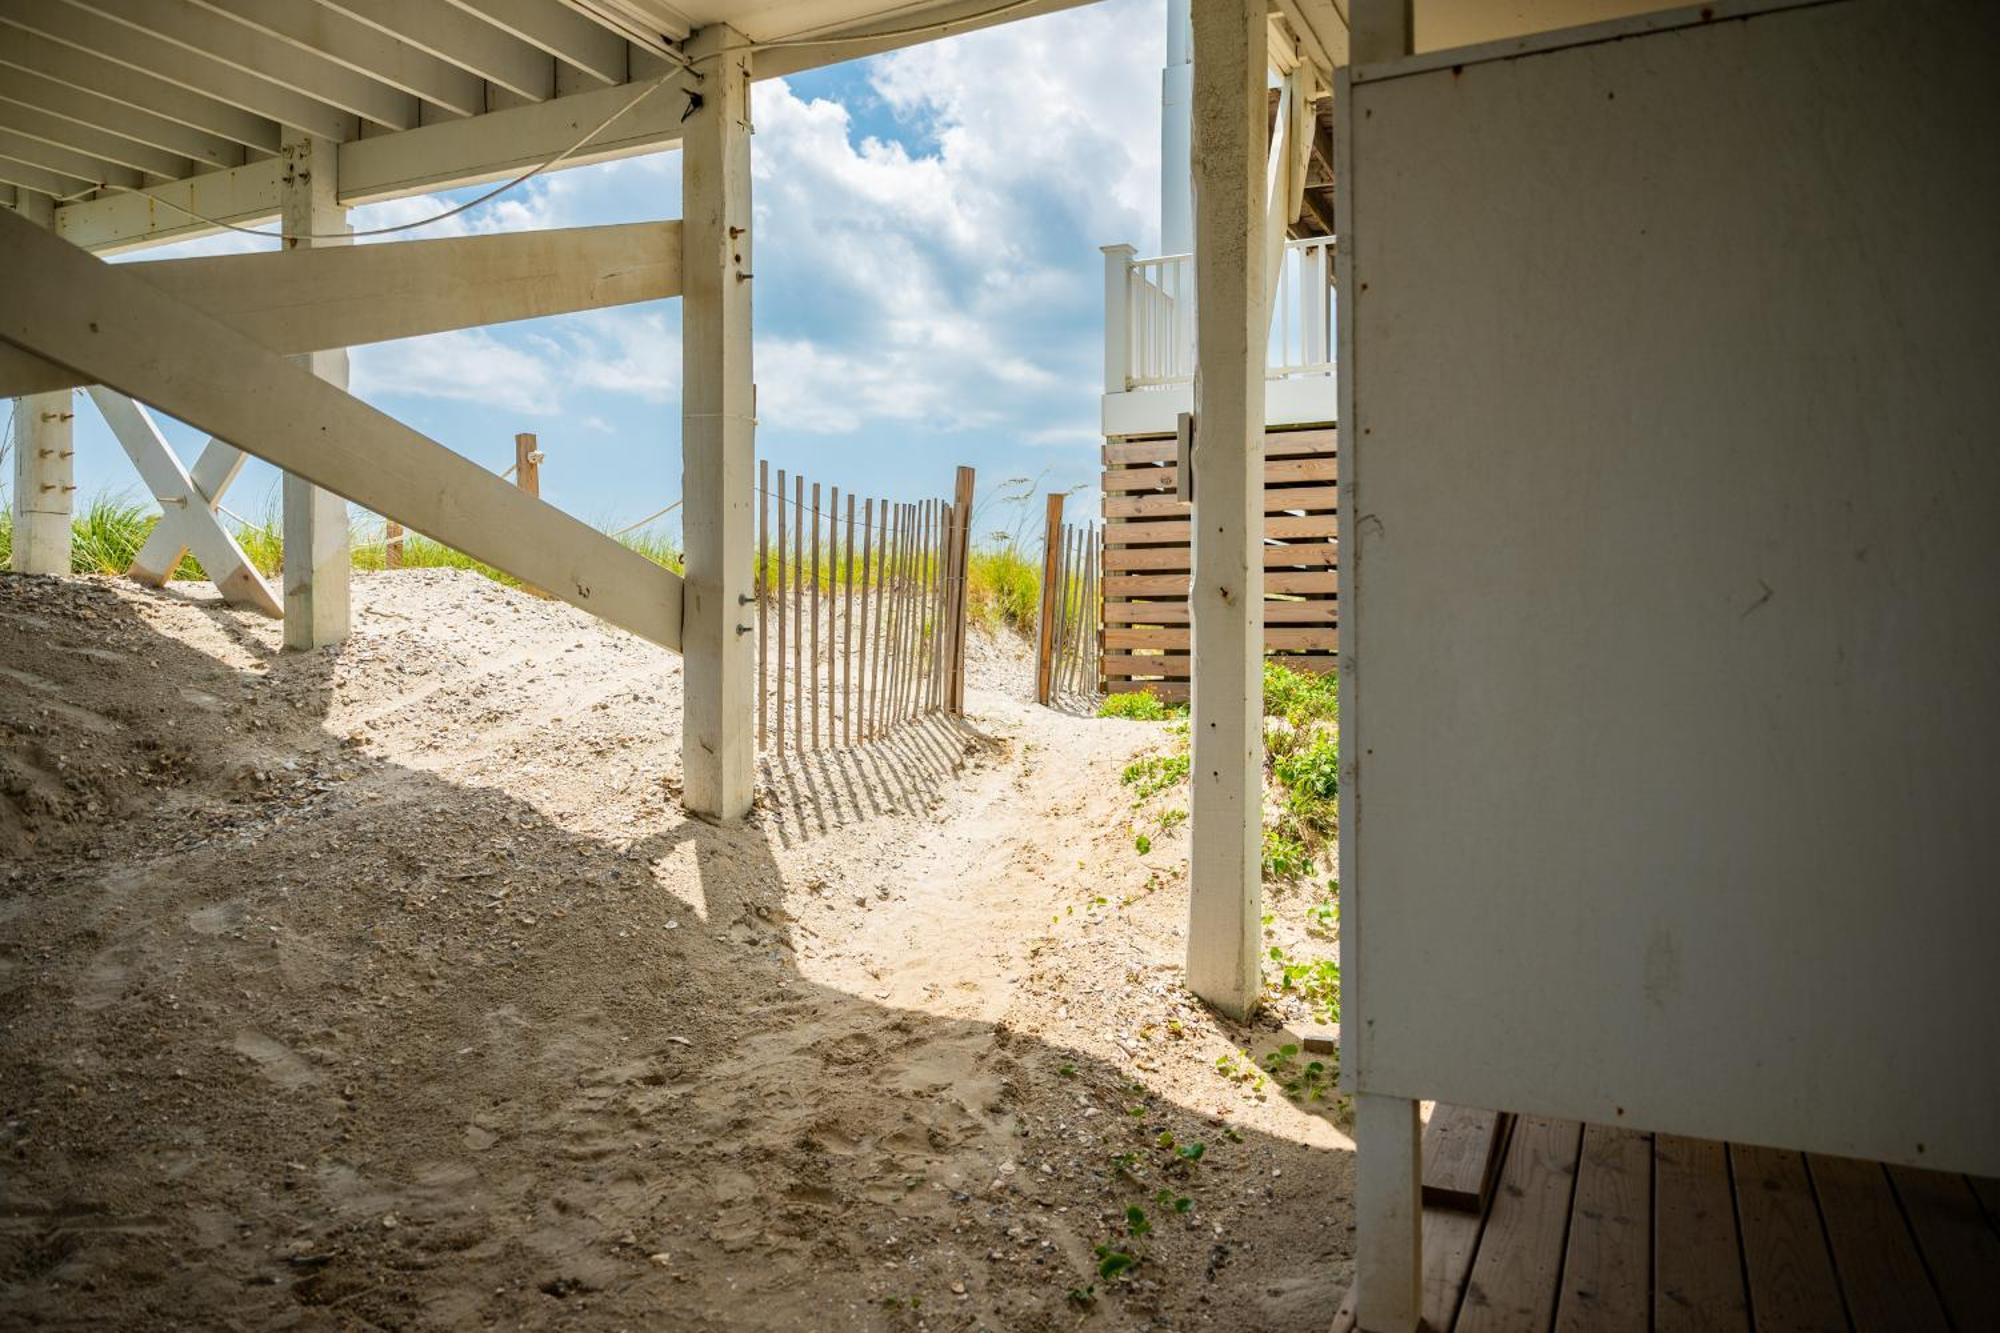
[308, 300]
[112, 327]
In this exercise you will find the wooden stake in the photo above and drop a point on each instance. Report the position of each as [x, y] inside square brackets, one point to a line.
[861, 638]
[392, 544]
[847, 637]
[763, 600]
[962, 609]
[812, 656]
[1044, 640]
[778, 713]
[527, 465]
[798, 610]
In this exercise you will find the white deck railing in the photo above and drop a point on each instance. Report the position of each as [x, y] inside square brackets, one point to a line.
[1149, 323]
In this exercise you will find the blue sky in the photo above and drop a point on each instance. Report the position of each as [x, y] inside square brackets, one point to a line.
[929, 287]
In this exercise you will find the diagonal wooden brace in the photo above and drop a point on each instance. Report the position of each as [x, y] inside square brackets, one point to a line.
[309, 300]
[186, 521]
[111, 327]
[213, 470]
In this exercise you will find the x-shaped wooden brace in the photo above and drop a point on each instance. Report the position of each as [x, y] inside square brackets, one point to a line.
[188, 520]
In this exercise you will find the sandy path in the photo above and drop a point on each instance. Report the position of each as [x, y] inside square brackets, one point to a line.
[388, 987]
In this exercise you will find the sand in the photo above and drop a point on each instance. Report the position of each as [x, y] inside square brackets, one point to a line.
[388, 986]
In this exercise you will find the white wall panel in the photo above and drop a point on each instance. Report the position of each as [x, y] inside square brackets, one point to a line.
[1673, 578]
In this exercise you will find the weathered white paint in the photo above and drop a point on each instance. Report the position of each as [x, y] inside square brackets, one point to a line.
[318, 559]
[494, 146]
[718, 434]
[114, 329]
[1176, 130]
[1306, 400]
[187, 521]
[1388, 1193]
[1225, 901]
[314, 298]
[44, 453]
[1669, 710]
[213, 471]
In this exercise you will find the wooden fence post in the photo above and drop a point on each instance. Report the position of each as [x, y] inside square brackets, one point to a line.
[1045, 641]
[961, 509]
[392, 544]
[527, 465]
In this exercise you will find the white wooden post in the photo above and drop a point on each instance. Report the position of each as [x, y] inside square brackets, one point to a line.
[1388, 1196]
[1226, 900]
[317, 556]
[1117, 318]
[718, 433]
[1388, 1192]
[44, 453]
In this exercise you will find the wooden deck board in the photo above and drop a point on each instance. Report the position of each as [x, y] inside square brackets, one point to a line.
[1874, 1254]
[1600, 1228]
[1792, 1284]
[1697, 1255]
[1607, 1270]
[1512, 1286]
[1462, 1150]
[1957, 1241]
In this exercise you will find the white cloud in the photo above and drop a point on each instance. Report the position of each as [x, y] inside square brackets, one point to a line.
[951, 284]
[470, 365]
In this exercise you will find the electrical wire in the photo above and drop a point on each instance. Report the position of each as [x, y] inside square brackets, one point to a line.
[494, 193]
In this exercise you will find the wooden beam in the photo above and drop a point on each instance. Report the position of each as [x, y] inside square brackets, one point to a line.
[718, 437]
[188, 29]
[561, 32]
[340, 41]
[494, 146]
[214, 469]
[454, 35]
[319, 555]
[115, 329]
[93, 77]
[185, 511]
[1225, 936]
[44, 451]
[307, 300]
[190, 67]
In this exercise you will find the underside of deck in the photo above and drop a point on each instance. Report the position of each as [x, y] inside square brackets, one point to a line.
[1591, 1227]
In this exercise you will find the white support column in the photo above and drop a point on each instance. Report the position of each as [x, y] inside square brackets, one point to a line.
[718, 433]
[317, 557]
[1117, 317]
[44, 454]
[1388, 1193]
[1226, 901]
[1388, 1132]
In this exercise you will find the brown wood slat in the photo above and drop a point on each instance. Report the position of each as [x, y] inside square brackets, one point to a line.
[1277, 471]
[1149, 505]
[1291, 581]
[1176, 613]
[1300, 554]
[1176, 664]
[1277, 527]
[1959, 1245]
[1168, 691]
[1697, 1262]
[1513, 1284]
[1874, 1253]
[1792, 1286]
[1461, 1157]
[1607, 1270]
[1176, 640]
[1277, 444]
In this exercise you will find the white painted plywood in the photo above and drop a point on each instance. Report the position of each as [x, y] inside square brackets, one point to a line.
[1673, 589]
